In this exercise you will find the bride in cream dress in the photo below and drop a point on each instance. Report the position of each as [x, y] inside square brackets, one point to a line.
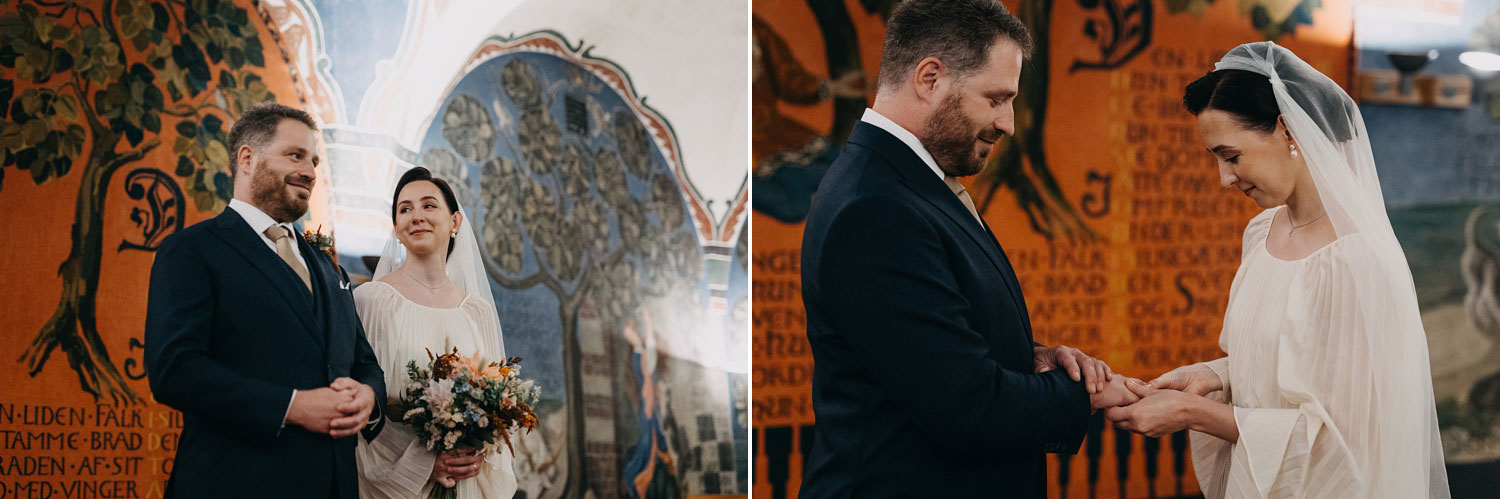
[1325, 389]
[434, 297]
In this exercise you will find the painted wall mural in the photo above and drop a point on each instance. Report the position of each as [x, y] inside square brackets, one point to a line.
[1105, 201]
[1439, 175]
[115, 122]
[87, 93]
[598, 269]
[616, 282]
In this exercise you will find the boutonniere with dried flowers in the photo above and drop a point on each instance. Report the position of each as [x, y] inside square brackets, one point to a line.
[321, 242]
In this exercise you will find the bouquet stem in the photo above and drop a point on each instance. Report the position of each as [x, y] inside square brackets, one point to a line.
[441, 492]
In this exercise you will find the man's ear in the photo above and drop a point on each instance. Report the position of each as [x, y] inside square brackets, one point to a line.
[244, 159]
[929, 77]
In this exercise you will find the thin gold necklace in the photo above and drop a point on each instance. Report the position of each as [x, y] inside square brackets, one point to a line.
[430, 289]
[1309, 222]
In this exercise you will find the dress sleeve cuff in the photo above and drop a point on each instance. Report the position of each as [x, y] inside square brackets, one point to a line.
[395, 464]
[1271, 440]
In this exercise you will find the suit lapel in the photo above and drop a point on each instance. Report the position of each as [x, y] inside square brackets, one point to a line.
[318, 273]
[236, 233]
[927, 186]
[931, 189]
[1011, 281]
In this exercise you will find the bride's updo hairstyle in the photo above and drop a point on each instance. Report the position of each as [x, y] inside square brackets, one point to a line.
[1248, 97]
[1244, 95]
[421, 173]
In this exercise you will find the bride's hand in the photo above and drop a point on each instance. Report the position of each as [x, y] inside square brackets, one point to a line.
[450, 467]
[440, 473]
[1158, 413]
[1196, 379]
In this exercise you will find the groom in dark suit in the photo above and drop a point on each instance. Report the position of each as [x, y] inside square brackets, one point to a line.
[926, 380]
[252, 334]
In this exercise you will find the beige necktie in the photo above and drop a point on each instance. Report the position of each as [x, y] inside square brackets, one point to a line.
[283, 239]
[963, 196]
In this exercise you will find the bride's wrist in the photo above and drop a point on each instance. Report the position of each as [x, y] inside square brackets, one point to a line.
[1208, 373]
[1195, 413]
[1207, 416]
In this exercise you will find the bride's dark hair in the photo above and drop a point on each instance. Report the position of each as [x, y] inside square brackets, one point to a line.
[1249, 98]
[1244, 95]
[417, 174]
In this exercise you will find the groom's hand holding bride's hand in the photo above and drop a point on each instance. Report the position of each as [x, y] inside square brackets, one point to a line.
[1114, 394]
[1160, 411]
[1174, 402]
[1094, 373]
[355, 410]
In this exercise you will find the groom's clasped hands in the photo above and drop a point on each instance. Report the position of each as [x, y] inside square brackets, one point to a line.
[339, 410]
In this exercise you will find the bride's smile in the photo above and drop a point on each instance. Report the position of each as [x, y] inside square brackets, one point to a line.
[421, 215]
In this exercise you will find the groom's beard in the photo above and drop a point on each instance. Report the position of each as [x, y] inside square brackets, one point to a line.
[951, 136]
[270, 194]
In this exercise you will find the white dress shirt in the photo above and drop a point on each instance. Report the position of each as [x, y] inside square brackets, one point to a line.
[906, 137]
[259, 221]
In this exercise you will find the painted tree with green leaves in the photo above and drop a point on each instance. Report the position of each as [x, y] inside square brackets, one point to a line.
[89, 86]
[570, 205]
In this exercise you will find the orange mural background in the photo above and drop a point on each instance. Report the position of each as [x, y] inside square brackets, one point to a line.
[56, 439]
[1137, 275]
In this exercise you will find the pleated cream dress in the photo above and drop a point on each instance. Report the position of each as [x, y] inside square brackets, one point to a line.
[396, 465]
[1321, 412]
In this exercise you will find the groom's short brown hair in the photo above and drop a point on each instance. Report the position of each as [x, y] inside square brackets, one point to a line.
[258, 126]
[957, 32]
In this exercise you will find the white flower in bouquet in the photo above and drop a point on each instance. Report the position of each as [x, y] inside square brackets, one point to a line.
[438, 395]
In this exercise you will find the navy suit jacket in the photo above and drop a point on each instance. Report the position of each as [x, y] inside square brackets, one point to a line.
[230, 332]
[923, 376]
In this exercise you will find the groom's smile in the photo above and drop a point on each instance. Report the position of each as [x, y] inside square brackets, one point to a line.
[285, 172]
[987, 144]
[298, 182]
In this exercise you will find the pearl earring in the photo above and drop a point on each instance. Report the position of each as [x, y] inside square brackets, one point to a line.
[1294, 150]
